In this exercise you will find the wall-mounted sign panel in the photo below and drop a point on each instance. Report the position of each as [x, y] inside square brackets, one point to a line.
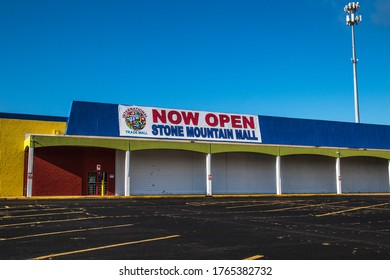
[150, 122]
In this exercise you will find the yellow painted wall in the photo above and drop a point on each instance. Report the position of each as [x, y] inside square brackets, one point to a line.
[12, 134]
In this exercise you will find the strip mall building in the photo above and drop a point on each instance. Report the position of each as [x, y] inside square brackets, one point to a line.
[134, 150]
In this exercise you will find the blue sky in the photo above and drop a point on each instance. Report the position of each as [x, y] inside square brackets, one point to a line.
[278, 58]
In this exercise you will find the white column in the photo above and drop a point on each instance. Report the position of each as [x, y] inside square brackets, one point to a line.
[338, 176]
[30, 171]
[209, 176]
[278, 178]
[389, 177]
[127, 173]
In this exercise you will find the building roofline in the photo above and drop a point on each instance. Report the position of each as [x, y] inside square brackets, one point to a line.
[17, 116]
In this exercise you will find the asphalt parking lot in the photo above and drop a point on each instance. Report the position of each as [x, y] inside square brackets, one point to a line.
[269, 227]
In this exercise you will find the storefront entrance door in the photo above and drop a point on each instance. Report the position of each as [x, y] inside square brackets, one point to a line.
[96, 180]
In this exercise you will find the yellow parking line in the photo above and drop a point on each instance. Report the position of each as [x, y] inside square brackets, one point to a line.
[105, 247]
[215, 203]
[41, 215]
[351, 209]
[194, 203]
[258, 204]
[64, 232]
[205, 203]
[304, 206]
[256, 257]
[26, 207]
[51, 221]
[8, 210]
[245, 206]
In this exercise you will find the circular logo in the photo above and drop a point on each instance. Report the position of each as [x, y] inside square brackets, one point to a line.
[135, 118]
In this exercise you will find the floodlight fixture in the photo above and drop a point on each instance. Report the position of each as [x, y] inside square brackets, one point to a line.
[351, 20]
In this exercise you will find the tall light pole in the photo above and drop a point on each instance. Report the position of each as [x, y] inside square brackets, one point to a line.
[351, 20]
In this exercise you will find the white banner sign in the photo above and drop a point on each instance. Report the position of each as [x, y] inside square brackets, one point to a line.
[149, 122]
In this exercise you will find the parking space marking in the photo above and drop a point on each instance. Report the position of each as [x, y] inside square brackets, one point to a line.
[245, 202]
[351, 209]
[105, 247]
[304, 206]
[51, 221]
[41, 215]
[23, 207]
[27, 207]
[214, 203]
[250, 205]
[258, 204]
[65, 231]
[256, 257]
[30, 210]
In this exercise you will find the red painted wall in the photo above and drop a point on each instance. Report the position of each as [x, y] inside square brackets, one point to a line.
[106, 159]
[64, 170]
